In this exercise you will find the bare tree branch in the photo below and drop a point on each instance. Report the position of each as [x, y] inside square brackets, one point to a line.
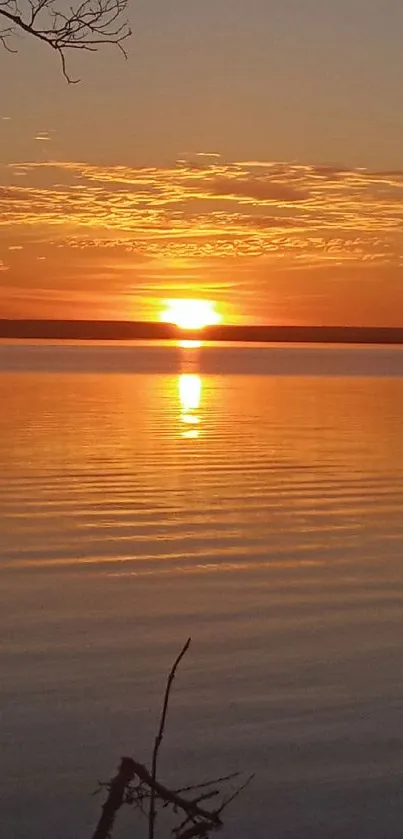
[235, 794]
[120, 792]
[222, 780]
[117, 790]
[85, 26]
[159, 737]
[135, 785]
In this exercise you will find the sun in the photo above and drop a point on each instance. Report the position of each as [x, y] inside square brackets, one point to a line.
[190, 313]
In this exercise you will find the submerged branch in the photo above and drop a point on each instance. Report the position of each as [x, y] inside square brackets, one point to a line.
[116, 797]
[136, 785]
[160, 735]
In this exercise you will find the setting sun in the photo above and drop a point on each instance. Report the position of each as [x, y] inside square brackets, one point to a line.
[191, 314]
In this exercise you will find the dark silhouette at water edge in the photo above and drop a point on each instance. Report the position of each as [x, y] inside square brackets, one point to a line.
[102, 330]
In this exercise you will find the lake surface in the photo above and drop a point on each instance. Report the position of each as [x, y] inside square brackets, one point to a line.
[249, 497]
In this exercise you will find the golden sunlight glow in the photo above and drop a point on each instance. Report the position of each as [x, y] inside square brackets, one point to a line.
[191, 314]
[190, 345]
[190, 387]
[190, 390]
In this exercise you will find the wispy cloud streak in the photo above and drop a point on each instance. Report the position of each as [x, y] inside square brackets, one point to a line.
[212, 208]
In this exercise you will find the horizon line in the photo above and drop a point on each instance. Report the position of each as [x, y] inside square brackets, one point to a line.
[131, 330]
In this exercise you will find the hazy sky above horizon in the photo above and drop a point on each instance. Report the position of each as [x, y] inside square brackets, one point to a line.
[246, 152]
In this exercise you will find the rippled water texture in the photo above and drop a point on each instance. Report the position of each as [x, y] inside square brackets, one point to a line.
[250, 498]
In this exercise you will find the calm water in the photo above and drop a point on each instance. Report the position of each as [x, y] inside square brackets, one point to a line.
[249, 497]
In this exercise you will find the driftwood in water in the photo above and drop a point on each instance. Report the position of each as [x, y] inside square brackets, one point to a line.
[134, 784]
[159, 737]
[117, 796]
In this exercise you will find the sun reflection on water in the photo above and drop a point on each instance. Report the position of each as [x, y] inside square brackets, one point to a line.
[190, 393]
[190, 345]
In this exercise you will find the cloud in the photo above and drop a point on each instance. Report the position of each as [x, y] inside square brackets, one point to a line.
[258, 189]
[210, 209]
[330, 172]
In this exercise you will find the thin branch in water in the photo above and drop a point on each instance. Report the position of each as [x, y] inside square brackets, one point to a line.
[200, 830]
[116, 797]
[235, 794]
[137, 786]
[132, 768]
[160, 735]
[222, 780]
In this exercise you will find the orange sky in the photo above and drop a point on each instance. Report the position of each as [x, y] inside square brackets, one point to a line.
[103, 214]
[271, 242]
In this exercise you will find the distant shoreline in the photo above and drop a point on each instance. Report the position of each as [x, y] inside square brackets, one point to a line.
[85, 330]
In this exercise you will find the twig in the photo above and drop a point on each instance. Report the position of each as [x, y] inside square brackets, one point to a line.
[198, 820]
[200, 830]
[116, 797]
[235, 794]
[159, 738]
[222, 780]
[190, 807]
[134, 784]
[86, 25]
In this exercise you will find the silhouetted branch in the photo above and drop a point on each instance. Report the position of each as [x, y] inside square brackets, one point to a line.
[135, 785]
[159, 737]
[116, 797]
[222, 780]
[195, 830]
[121, 791]
[86, 26]
[235, 794]
[168, 796]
